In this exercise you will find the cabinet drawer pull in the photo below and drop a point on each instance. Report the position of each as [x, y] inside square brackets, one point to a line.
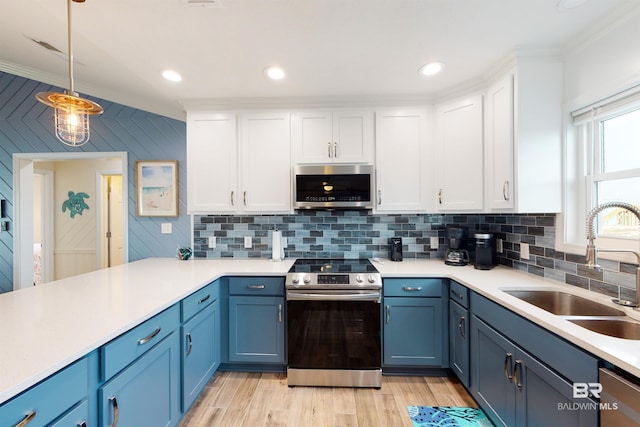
[516, 381]
[388, 319]
[461, 326]
[190, 343]
[279, 313]
[233, 199]
[335, 150]
[507, 369]
[116, 411]
[82, 424]
[379, 197]
[204, 299]
[440, 196]
[255, 286]
[149, 337]
[412, 289]
[27, 419]
[329, 146]
[456, 294]
[244, 198]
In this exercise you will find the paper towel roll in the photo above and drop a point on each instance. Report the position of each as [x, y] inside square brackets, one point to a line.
[277, 250]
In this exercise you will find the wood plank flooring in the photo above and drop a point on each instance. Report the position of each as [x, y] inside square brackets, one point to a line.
[264, 399]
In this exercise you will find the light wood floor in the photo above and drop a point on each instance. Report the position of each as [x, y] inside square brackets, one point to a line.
[254, 399]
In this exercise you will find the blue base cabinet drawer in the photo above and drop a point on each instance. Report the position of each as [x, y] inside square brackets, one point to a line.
[256, 286]
[132, 344]
[412, 288]
[147, 392]
[76, 417]
[50, 399]
[199, 300]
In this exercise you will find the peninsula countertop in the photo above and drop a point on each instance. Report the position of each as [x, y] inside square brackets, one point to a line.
[47, 327]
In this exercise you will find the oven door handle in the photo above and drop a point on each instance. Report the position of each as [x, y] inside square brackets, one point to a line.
[369, 296]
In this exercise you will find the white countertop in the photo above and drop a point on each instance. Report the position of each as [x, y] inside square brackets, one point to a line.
[45, 328]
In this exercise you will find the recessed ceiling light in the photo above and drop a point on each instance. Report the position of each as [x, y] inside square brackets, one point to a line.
[171, 75]
[431, 68]
[274, 73]
[563, 5]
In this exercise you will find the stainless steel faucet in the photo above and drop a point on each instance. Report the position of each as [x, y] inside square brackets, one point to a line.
[592, 251]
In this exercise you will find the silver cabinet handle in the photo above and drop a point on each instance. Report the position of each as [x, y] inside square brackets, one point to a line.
[461, 326]
[190, 343]
[116, 411]
[456, 294]
[335, 150]
[516, 381]
[149, 337]
[233, 201]
[204, 299]
[82, 424]
[379, 197]
[388, 319]
[27, 419]
[329, 144]
[244, 198]
[440, 196]
[505, 190]
[412, 289]
[279, 313]
[255, 286]
[507, 360]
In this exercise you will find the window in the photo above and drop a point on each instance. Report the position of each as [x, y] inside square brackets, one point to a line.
[603, 165]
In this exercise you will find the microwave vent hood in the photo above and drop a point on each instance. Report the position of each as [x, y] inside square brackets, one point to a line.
[331, 187]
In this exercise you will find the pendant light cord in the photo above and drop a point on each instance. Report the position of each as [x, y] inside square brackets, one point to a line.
[70, 48]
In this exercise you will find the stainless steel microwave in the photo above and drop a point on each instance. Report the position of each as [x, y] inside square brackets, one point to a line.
[333, 186]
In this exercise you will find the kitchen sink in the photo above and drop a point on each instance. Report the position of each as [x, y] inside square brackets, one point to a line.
[619, 328]
[564, 304]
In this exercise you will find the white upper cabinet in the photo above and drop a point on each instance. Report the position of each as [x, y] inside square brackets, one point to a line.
[337, 136]
[265, 162]
[401, 170]
[211, 162]
[459, 155]
[524, 138]
[220, 183]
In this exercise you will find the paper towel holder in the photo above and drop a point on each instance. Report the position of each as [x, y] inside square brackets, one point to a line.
[277, 247]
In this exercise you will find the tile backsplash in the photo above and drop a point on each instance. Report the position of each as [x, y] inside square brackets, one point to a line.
[358, 234]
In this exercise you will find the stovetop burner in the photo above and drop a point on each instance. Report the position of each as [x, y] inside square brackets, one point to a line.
[333, 274]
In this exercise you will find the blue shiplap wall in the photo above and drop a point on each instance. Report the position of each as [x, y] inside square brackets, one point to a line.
[26, 126]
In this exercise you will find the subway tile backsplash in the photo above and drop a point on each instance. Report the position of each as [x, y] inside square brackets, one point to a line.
[358, 234]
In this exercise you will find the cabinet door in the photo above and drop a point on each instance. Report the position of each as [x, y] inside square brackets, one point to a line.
[492, 373]
[546, 399]
[211, 163]
[266, 162]
[500, 144]
[313, 136]
[352, 136]
[76, 417]
[401, 138]
[147, 392]
[459, 159]
[459, 341]
[200, 352]
[256, 329]
[413, 332]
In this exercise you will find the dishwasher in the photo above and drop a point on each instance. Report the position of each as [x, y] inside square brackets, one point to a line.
[619, 400]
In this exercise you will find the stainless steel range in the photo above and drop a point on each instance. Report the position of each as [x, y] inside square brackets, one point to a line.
[333, 323]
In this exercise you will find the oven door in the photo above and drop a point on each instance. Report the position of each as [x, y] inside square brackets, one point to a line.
[334, 330]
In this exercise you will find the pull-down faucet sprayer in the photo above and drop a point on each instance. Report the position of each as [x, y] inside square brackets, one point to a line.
[592, 251]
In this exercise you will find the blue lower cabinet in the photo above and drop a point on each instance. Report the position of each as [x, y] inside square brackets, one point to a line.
[200, 352]
[76, 417]
[459, 341]
[52, 399]
[413, 332]
[515, 389]
[256, 329]
[147, 392]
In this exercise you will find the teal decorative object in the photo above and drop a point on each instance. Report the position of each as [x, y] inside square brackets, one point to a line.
[75, 203]
[184, 253]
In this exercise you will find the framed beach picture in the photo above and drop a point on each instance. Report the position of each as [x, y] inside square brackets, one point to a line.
[157, 187]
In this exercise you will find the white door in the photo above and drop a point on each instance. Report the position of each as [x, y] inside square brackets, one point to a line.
[113, 233]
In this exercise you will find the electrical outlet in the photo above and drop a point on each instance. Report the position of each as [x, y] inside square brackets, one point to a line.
[433, 243]
[285, 243]
[247, 242]
[499, 248]
[165, 228]
[524, 250]
[212, 242]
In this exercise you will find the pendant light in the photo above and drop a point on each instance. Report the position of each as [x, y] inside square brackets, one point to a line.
[71, 112]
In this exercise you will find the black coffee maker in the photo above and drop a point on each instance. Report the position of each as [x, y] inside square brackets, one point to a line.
[395, 249]
[457, 253]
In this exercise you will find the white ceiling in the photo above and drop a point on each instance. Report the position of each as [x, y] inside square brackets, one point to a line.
[331, 49]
